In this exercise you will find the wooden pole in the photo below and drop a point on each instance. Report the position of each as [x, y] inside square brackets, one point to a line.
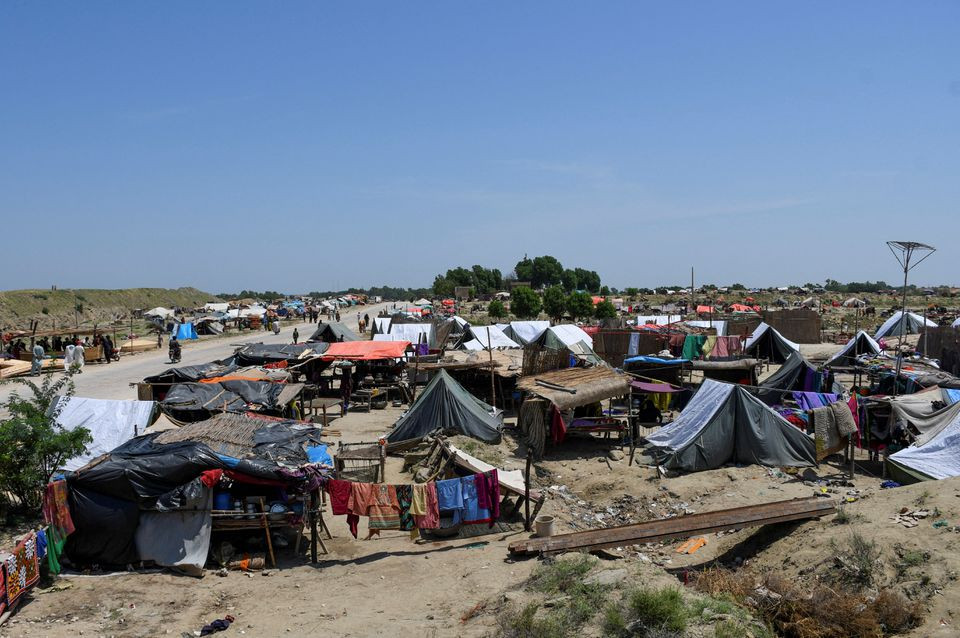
[313, 525]
[493, 391]
[416, 370]
[526, 491]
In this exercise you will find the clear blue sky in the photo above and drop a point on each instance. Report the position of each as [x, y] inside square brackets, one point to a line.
[314, 145]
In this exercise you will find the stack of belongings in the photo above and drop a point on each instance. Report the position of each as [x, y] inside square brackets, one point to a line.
[449, 503]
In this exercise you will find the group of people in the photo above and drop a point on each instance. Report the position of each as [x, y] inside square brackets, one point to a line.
[74, 351]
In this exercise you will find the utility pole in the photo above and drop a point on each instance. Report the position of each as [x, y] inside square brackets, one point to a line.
[904, 252]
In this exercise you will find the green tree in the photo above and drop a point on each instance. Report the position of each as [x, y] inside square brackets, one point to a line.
[605, 290]
[604, 310]
[524, 269]
[32, 445]
[554, 302]
[632, 292]
[569, 280]
[442, 287]
[496, 309]
[547, 271]
[588, 280]
[525, 303]
[579, 305]
[738, 286]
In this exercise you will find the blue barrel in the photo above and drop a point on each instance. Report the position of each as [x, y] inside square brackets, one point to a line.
[221, 500]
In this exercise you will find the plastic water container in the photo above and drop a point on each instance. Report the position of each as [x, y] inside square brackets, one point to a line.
[221, 500]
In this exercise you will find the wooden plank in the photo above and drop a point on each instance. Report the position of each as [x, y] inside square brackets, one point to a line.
[662, 529]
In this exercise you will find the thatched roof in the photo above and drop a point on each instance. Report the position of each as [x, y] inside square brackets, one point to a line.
[574, 387]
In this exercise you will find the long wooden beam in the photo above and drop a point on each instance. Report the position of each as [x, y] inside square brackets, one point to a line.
[678, 526]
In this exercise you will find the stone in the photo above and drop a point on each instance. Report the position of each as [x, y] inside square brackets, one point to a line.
[606, 578]
[615, 455]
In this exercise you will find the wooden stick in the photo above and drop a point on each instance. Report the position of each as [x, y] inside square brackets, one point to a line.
[314, 536]
[526, 491]
[493, 391]
[266, 530]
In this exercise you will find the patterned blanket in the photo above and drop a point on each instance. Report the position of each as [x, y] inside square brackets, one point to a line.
[22, 569]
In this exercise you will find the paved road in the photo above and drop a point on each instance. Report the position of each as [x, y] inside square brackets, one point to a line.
[112, 381]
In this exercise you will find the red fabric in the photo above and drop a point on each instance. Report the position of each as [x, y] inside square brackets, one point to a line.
[211, 477]
[339, 492]
[365, 350]
[704, 309]
[252, 480]
[275, 366]
[558, 429]
[56, 510]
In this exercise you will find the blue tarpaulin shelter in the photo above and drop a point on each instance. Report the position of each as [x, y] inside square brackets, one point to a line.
[184, 331]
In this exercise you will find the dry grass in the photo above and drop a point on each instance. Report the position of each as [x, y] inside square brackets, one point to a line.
[815, 611]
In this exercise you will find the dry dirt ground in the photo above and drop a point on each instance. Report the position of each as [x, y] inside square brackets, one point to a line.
[455, 588]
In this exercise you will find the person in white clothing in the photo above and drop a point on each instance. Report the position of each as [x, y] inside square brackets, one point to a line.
[78, 360]
[68, 354]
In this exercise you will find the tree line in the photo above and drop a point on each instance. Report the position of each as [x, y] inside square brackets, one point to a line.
[540, 272]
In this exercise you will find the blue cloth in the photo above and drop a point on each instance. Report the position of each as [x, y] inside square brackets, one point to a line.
[450, 502]
[319, 454]
[811, 400]
[41, 545]
[229, 460]
[645, 359]
[472, 512]
[952, 396]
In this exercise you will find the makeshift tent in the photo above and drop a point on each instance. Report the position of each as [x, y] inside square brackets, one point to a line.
[766, 342]
[145, 500]
[796, 373]
[194, 373]
[216, 307]
[936, 457]
[724, 423]
[564, 335]
[184, 331]
[907, 323]
[195, 401]
[658, 320]
[475, 338]
[412, 332]
[159, 312]
[333, 332]
[366, 350]
[523, 332]
[719, 325]
[381, 325]
[446, 406]
[258, 354]
[110, 422]
[853, 302]
[861, 343]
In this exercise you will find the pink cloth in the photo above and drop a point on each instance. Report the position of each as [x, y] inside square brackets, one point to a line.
[488, 493]
[726, 347]
[430, 520]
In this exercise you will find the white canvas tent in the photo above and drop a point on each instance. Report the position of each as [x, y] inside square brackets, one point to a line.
[110, 422]
[933, 458]
[907, 323]
[476, 338]
[159, 312]
[569, 334]
[524, 332]
[861, 343]
[658, 320]
[216, 307]
[412, 332]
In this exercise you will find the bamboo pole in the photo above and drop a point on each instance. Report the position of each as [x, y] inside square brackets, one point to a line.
[493, 391]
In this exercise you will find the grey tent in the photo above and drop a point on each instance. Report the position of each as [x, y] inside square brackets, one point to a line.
[935, 455]
[908, 323]
[333, 332]
[792, 376]
[724, 423]
[861, 343]
[446, 406]
[767, 343]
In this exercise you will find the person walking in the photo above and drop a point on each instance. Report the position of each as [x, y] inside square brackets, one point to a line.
[296, 335]
[38, 355]
[107, 348]
[346, 389]
[78, 357]
[68, 357]
[159, 339]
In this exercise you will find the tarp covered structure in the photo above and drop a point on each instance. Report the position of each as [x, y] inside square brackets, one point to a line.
[366, 350]
[412, 332]
[564, 335]
[792, 375]
[523, 332]
[145, 500]
[906, 323]
[859, 344]
[258, 354]
[333, 332]
[446, 406]
[718, 324]
[724, 423]
[194, 373]
[475, 338]
[195, 401]
[937, 456]
[110, 422]
[159, 312]
[767, 343]
[658, 320]
[184, 331]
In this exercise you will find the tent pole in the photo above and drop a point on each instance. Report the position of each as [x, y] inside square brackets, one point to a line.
[526, 491]
[493, 390]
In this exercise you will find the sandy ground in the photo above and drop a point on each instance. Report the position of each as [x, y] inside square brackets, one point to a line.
[370, 588]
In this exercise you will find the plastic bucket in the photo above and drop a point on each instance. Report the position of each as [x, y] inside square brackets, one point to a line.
[543, 525]
[221, 501]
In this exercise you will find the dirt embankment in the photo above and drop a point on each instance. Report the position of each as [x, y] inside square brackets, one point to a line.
[68, 307]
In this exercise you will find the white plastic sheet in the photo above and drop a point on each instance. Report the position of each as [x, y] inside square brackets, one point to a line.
[110, 422]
